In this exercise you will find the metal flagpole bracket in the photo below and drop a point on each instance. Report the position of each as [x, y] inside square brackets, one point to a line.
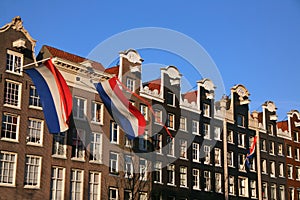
[34, 63]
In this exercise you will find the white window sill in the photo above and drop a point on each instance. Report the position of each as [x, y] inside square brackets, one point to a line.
[34, 144]
[35, 107]
[59, 156]
[96, 162]
[78, 159]
[9, 140]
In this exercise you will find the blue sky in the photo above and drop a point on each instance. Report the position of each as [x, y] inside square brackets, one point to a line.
[255, 43]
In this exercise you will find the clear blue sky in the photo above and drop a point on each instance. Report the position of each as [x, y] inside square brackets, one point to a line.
[253, 42]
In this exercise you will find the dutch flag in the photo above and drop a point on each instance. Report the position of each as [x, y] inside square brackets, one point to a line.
[55, 96]
[251, 152]
[122, 111]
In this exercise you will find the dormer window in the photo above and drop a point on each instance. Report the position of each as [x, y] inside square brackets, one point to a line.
[241, 120]
[14, 62]
[171, 99]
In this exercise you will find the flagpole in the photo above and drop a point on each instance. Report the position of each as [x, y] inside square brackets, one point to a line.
[34, 63]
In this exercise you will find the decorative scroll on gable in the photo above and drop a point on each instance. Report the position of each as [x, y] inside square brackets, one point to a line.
[270, 106]
[242, 92]
[208, 85]
[173, 73]
[133, 57]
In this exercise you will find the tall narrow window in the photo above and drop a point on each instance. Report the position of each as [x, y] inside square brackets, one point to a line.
[270, 129]
[171, 174]
[183, 148]
[241, 120]
[218, 182]
[207, 154]
[253, 188]
[35, 131]
[207, 181]
[230, 159]
[157, 172]
[264, 166]
[231, 185]
[195, 127]
[297, 154]
[10, 126]
[230, 136]
[296, 136]
[273, 192]
[289, 151]
[196, 179]
[263, 145]
[158, 116]
[170, 146]
[243, 189]
[144, 111]
[94, 185]
[113, 193]
[242, 161]
[272, 169]
[78, 144]
[59, 144]
[264, 190]
[130, 84]
[272, 148]
[12, 93]
[206, 131]
[32, 171]
[206, 110]
[57, 183]
[114, 132]
[290, 171]
[143, 169]
[128, 171]
[218, 157]
[196, 152]
[8, 168]
[113, 163]
[281, 170]
[143, 141]
[158, 142]
[14, 62]
[182, 123]
[170, 98]
[282, 192]
[96, 147]
[79, 108]
[34, 98]
[76, 190]
[280, 149]
[183, 176]
[171, 121]
[97, 112]
[241, 139]
[217, 133]
[297, 173]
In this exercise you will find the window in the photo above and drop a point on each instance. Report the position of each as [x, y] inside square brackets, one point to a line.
[242, 158]
[128, 170]
[241, 140]
[230, 136]
[253, 188]
[207, 154]
[57, 183]
[296, 136]
[206, 131]
[230, 157]
[143, 169]
[281, 170]
[195, 127]
[170, 98]
[270, 129]
[291, 193]
[264, 166]
[12, 94]
[14, 62]
[263, 145]
[97, 112]
[32, 171]
[297, 154]
[130, 84]
[114, 132]
[280, 149]
[207, 185]
[231, 185]
[170, 146]
[243, 188]
[297, 173]
[79, 108]
[113, 163]
[272, 148]
[273, 192]
[158, 116]
[218, 182]
[252, 164]
[128, 142]
[206, 110]
[143, 141]
[182, 123]
[113, 194]
[10, 126]
[290, 171]
[171, 121]
[196, 179]
[218, 154]
[94, 185]
[144, 111]
[158, 143]
[76, 190]
[264, 191]
[217, 133]
[241, 120]
[8, 168]
[34, 98]
[59, 144]
[127, 195]
[35, 131]
[78, 144]
[282, 192]
[143, 196]
[157, 172]
[183, 176]
[196, 150]
[272, 168]
[171, 174]
[183, 148]
[96, 147]
[289, 151]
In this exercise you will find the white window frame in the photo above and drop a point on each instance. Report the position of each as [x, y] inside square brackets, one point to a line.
[12, 166]
[171, 121]
[241, 140]
[230, 138]
[207, 181]
[57, 146]
[183, 149]
[218, 182]
[281, 192]
[230, 158]
[289, 151]
[263, 145]
[206, 110]
[217, 133]
[196, 179]
[128, 166]
[143, 141]
[273, 191]
[157, 116]
[297, 154]
[144, 111]
[272, 169]
[290, 171]
[183, 123]
[297, 173]
[272, 148]
[97, 113]
[242, 158]
[94, 185]
[143, 169]
[218, 157]
[77, 111]
[183, 176]
[240, 120]
[18, 94]
[33, 131]
[114, 129]
[195, 127]
[171, 172]
[15, 68]
[37, 167]
[206, 131]
[196, 152]
[96, 148]
[173, 100]
[296, 136]
[158, 143]
[265, 193]
[110, 193]
[130, 84]
[243, 186]
[264, 166]
[207, 155]
[158, 172]
[10, 124]
[280, 149]
[171, 146]
[54, 183]
[113, 163]
[34, 98]
[281, 170]
[78, 138]
[253, 189]
[270, 129]
[74, 182]
[231, 187]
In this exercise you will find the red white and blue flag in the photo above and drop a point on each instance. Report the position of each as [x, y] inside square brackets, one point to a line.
[251, 152]
[55, 96]
[128, 117]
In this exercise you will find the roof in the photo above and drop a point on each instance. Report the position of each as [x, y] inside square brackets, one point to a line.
[190, 96]
[154, 84]
[112, 70]
[283, 125]
[72, 57]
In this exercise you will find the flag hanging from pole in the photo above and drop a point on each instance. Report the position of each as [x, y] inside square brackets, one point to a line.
[251, 152]
[128, 117]
[54, 94]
